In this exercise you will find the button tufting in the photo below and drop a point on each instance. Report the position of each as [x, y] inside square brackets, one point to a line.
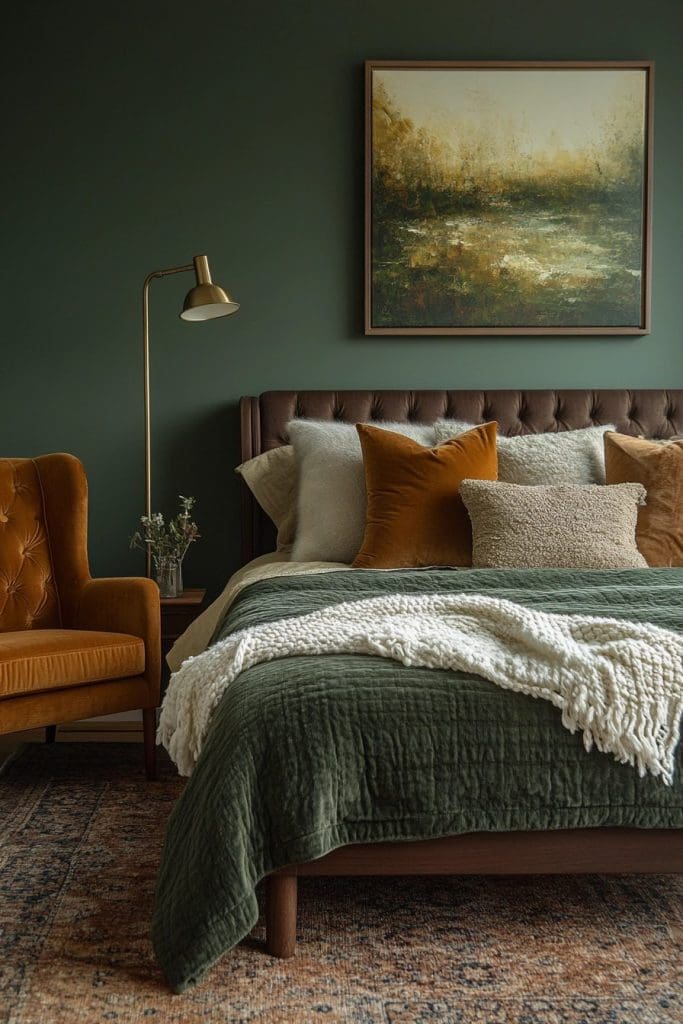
[648, 412]
[28, 594]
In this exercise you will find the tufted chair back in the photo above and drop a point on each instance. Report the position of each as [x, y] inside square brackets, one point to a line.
[43, 541]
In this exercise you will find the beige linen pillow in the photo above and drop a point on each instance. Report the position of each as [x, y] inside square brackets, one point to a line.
[545, 527]
[271, 478]
[566, 456]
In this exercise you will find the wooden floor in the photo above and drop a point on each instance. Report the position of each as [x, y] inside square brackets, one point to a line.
[76, 732]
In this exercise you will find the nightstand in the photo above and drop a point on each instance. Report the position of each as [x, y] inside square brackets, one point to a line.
[176, 615]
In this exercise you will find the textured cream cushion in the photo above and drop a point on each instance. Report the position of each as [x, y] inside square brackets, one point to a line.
[332, 499]
[564, 527]
[568, 457]
[271, 478]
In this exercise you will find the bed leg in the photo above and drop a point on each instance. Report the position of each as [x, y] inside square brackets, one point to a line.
[281, 891]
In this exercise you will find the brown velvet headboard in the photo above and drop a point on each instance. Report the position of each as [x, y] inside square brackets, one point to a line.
[652, 413]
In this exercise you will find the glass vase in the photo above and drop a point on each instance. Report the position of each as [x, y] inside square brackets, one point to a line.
[169, 576]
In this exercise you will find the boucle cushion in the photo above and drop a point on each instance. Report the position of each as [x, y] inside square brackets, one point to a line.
[569, 456]
[563, 527]
[271, 478]
[331, 500]
[415, 516]
[659, 468]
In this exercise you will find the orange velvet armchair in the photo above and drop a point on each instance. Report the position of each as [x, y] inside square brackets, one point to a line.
[70, 646]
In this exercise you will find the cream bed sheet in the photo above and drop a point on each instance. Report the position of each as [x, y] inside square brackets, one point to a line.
[197, 636]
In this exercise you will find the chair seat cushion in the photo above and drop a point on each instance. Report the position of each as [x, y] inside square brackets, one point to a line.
[32, 660]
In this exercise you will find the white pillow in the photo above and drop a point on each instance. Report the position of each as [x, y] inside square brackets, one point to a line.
[566, 457]
[332, 500]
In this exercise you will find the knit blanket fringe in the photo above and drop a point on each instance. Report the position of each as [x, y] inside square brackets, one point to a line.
[620, 683]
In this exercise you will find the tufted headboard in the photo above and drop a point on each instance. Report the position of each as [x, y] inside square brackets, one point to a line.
[652, 413]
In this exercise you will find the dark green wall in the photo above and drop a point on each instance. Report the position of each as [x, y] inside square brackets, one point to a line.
[138, 134]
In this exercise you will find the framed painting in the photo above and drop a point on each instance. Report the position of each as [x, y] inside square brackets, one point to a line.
[508, 198]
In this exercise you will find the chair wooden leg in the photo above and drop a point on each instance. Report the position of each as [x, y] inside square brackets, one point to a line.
[149, 734]
[50, 733]
[281, 894]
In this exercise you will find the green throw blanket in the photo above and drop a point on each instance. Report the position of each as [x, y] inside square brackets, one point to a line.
[305, 754]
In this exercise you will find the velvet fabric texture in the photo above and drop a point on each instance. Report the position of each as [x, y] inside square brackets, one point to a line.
[658, 466]
[28, 597]
[70, 646]
[415, 516]
[48, 659]
[306, 754]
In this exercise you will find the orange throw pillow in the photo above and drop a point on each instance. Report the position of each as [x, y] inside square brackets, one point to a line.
[659, 468]
[416, 516]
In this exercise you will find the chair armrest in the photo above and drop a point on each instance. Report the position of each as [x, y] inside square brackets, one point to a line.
[126, 605]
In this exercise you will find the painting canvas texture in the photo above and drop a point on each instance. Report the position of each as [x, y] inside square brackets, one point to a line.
[507, 197]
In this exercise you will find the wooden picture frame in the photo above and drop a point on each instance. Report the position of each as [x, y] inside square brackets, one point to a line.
[490, 227]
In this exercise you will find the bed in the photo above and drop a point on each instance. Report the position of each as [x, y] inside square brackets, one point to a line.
[568, 827]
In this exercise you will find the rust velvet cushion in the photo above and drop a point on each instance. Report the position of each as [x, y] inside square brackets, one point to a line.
[659, 468]
[415, 516]
[32, 660]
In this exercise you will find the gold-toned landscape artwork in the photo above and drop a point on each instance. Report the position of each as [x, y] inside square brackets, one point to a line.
[507, 199]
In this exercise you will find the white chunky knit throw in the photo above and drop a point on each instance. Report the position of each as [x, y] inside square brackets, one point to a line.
[620, 682]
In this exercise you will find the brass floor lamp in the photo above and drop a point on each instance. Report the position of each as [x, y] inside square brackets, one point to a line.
[206, 301]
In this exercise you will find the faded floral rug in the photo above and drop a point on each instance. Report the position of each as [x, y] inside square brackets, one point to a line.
[80, 835]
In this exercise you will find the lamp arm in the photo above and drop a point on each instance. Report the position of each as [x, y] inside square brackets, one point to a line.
[146, 376]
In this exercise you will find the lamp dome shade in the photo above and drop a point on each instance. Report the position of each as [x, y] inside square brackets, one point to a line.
[207, 302]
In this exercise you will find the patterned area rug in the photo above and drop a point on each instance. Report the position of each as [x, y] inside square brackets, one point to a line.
[80, 835]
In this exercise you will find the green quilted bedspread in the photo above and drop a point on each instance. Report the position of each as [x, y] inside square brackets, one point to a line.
[306, 754]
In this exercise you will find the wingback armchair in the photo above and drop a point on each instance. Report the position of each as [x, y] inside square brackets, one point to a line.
[70, 646]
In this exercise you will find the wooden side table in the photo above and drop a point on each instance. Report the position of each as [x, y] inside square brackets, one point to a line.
[176, 615]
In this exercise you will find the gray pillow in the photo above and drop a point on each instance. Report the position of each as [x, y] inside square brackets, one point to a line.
[331, 501]
[569, 456]
[564, 527]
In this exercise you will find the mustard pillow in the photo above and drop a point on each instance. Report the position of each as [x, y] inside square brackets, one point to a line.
[415, 516]
[659, 468]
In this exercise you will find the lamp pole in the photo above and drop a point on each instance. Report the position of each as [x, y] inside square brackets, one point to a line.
[205, 301]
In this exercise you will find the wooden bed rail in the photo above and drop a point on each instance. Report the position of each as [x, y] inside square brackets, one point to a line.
[604, 851]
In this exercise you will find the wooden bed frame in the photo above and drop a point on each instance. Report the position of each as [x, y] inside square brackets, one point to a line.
[656, 413]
